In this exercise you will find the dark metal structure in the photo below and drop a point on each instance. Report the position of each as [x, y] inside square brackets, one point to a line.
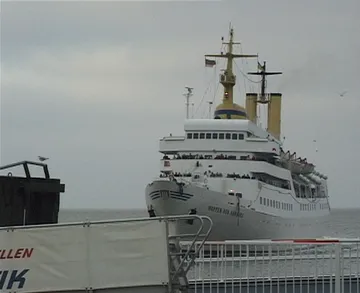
[29, 200]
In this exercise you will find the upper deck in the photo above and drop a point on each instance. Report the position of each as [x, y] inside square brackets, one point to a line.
[226, 125]
[218, 135]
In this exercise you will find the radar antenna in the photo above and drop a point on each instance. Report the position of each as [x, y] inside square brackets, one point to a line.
[187, 96]
[263, 73]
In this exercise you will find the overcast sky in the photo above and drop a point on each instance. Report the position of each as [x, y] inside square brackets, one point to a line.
[94, 85]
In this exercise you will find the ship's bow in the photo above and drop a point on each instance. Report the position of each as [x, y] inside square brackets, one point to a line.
[165, 197]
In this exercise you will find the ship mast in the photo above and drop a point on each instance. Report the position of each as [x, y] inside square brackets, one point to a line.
[272, 101]
[187, 96]
[228, 78]
[263, 73]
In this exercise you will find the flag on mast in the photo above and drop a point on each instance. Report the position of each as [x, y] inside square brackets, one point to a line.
[209, 63]
[260, 67]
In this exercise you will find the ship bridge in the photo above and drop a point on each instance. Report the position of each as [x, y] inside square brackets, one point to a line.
[223, 135]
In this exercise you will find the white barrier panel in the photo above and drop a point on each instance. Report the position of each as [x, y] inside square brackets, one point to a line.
[133, 254]
[73, 257]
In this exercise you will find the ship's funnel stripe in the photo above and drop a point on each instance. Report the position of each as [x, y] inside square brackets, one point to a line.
[155, 197]
[230, 112]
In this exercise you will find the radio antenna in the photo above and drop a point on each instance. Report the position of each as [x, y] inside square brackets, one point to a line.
[187, 96]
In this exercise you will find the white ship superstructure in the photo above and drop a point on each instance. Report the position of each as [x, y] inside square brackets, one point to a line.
[236, 172]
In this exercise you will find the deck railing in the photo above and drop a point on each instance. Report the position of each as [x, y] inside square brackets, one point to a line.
[307, 265]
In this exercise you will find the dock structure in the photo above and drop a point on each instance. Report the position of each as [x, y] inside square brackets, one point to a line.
[27, 200]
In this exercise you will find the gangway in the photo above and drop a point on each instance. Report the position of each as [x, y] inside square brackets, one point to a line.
[129, 255]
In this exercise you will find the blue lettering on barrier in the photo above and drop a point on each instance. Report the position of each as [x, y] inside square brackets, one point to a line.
[9, 278]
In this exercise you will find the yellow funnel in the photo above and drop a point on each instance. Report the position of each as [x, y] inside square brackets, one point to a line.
[274, 115]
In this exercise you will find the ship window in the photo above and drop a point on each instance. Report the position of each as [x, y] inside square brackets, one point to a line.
[202, 135]
[267, 202]
[228, 136]
[260, 200]
[234, 136]
[215, 135]
[196, 135]
[239, 195]
[208, 135]
[221, 135]
[241, 136]
[189, 135]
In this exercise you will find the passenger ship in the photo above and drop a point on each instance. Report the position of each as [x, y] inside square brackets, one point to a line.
[236, 172]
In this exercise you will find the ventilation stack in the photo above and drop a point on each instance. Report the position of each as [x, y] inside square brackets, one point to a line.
[251, 106]
[274, 114]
